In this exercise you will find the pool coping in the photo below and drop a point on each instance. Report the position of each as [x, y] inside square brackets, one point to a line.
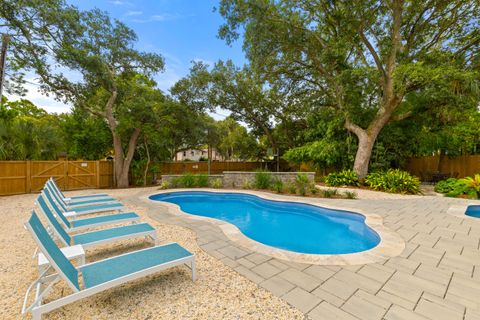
[391, 244]
[458, 210]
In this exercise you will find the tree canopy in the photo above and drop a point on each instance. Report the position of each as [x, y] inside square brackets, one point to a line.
[360, 58]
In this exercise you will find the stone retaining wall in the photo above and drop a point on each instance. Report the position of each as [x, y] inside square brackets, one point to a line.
[237, 179]
[169, 177]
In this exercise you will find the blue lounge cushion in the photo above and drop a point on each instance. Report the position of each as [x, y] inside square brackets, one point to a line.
[53, 221]
[95, 236]
[53, 251]
[91, 201]
[101, 219]
[124, 265]
[97, 195]
[100, 207]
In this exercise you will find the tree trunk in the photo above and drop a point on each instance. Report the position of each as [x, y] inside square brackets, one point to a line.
[148, 163]
[367, 138]
[364, 152]
[122, 180]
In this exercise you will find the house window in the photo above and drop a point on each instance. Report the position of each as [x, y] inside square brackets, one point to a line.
[184, 153]
[192, 153]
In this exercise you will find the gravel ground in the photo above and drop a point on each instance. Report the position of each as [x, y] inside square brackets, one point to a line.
[219, 292]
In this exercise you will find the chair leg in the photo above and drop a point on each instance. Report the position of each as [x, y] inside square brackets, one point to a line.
[36, 315]
[194, 270]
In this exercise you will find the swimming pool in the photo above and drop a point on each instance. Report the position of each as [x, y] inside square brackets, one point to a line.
[473, 211]
[292, 226]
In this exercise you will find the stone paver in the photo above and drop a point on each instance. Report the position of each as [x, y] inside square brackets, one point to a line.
[399, 313]
[300, 279]
[278, 286]
[325, 311]
[301, 299]
[266, 270]
[437, 276]
[363, 309]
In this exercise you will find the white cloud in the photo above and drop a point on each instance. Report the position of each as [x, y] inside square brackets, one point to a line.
[133, 13]
[40, 99]
[161, 18]
[121, 3]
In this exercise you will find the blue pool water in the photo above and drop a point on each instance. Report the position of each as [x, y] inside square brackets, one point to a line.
[291, 226]
[473, 211]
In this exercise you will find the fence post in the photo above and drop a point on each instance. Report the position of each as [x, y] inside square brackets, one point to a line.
[97, 168]
[65, 174]
[28, 176]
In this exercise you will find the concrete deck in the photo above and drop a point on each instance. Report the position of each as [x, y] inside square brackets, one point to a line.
[437, 276]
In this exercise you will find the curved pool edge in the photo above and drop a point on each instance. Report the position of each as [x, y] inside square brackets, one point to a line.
[459, 210]
[390, 245]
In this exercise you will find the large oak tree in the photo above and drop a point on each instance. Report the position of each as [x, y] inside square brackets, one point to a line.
[362, 57]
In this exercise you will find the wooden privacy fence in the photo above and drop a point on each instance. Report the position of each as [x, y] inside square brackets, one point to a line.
[18, 177]
[216, 167]
[458, 167]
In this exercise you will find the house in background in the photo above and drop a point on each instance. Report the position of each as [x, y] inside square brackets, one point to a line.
[197, 155]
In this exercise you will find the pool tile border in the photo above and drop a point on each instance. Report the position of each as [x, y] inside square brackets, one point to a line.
[391, 244]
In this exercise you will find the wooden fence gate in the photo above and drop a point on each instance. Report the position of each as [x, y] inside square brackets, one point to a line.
[18, 177]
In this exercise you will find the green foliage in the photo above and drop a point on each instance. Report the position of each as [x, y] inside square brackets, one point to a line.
[217, 183]
[235, 142]
[187, 180]
[263, 179]
[394, 181]
[165, 185]
[343, 178]
[291, 187]
[247, 184]
[201, 180]
[329, 193]
[341, 60]
[302, 182]
[277, 185]
[28, 132]
[86, 136]
[313, 189]
[469, 186]
[445, 186]
[350, 194]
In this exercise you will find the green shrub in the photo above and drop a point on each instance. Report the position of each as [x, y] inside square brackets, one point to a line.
[247, 184]
[302, 183]
[350, 194]
[313, 188]
[291, 187]
[470, 186]
[394, 181]
[217, 183]
[201, 180]
[175, 182]
[329, 193]
[342, 178]
[263, 179]
[187, 180]
[165, 185]
[277, 185]
[445, 186]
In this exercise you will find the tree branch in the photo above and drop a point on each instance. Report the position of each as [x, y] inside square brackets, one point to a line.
[401, 116]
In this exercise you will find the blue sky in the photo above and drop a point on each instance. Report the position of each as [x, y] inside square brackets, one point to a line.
[181, 30]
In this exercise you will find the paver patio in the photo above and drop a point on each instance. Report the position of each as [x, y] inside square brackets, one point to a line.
[437, 276]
